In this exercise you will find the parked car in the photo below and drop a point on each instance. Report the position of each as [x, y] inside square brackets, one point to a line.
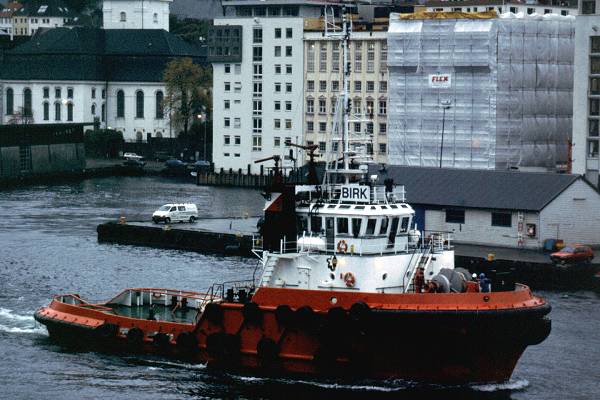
[175, 213]
[132, 156]
[573, 254]
[162, 156]
[134, 163]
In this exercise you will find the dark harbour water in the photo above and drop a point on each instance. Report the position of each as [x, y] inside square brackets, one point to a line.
[48, 246]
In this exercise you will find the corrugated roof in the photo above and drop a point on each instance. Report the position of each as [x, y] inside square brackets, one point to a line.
[488, 189]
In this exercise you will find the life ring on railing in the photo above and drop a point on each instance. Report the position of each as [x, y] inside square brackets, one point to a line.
[349, 279]
[342, 246]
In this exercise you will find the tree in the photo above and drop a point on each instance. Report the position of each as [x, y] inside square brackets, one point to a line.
[188, 91]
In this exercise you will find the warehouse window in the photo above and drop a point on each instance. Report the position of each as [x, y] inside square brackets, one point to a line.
[455, 216]
[588, 7]
[503, 219]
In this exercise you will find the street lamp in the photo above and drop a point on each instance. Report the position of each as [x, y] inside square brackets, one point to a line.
[445, 105]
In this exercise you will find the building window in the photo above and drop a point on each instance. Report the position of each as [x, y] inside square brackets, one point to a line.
[237, 140]
[69, 111]
[27, 110]
[455, 216]
[226, 140]
[155, 18]
[257, 125]
[323, 58]
[322, 86]
[310, 86]
[371, 57]
[256, 143]
[257, 89]
[10, 98]
[333, 103]
[310, 57]
[310, 106]
[277, 106]
[277, 51]
[257, 35]
[120, 104]
[277, 33]
[382, 129]
[227, 68]
[57, 111]
[257, 107]
[226, 122]
[335, 57]
[277, 123]
[139, 104]
[288, 51]
[382, 107]
[276, 141]
[593, 127]
[69, 93]
[382, 148]
[103, 112]
[370, 86]
[310, 126]
[595, 44]
[226, 104]
[356, 105]
[322, 106]
[257, 53]
[502, 219]
[123, 16]
[588, 7]
[335, 86]
[288, 124]
[93, 109]
[46, 111]
[382, 86]
[322, 126]
[369, 128]
[357, 127]
[322, 146]
[277, 69]
[357, 57]
[288, 106]
[160, 108]
[288, 69]
[288, 33]
[595, 107]
[277, 87]
[237, 123]
[257, 71]
[288, 87]
[357, 86]
[25, 158]
[227, 86]
[47, 93]
[593, 148]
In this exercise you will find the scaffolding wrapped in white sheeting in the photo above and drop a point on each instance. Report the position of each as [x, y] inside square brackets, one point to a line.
[499, 89]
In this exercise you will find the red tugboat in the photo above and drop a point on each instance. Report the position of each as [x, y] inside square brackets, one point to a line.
[349, 287]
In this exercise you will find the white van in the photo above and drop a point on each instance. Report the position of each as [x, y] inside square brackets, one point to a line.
[175, 213]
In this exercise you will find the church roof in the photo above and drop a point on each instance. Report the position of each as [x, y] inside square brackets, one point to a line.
[97, 54]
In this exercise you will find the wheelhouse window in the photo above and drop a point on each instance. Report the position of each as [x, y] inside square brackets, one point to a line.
[356, 224]
[502, 219]
[404, 225]
[455, 216]
[384, 226]
[371, 224]
[315, 224]
[342, 225]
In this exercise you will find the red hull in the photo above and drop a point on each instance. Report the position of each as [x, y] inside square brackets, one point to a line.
[451, 338]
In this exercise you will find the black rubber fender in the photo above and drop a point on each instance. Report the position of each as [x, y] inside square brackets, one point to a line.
[359, 313]
[187, 342]
[284, 316]
[135, 337]
[214, 313]
[305, 318]
[268, 352]
[252, 313]
[161, 340]
[223, 347]
[106, 331]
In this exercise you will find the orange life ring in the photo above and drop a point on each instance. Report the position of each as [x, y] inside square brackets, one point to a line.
[350, 279]
[342, 246]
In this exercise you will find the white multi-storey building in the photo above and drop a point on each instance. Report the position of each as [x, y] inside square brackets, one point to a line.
[45, 14]
[586, 92]
[258, 81]
[136, 14]
[563, 7]
[6, 20]
[368, 87]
